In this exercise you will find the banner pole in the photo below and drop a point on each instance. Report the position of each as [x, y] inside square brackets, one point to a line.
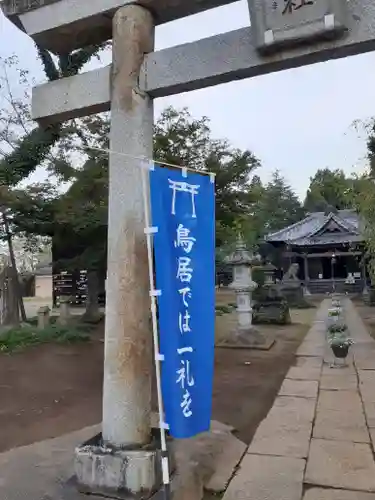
[149, 231]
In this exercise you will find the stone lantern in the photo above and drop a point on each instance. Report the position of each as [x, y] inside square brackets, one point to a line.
[242, 283]
[241, 259]
[269, 274]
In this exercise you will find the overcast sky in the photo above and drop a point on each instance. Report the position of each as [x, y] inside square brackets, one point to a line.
[296, 120]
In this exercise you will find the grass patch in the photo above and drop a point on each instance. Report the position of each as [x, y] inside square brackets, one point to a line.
[304, 304]
[21, 337]
[224, 309]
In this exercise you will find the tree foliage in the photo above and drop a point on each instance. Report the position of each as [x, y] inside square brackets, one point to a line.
[180, 139]
[365, 199]
[278, 205]
[24, 145]
[329, 189]
[78, 218]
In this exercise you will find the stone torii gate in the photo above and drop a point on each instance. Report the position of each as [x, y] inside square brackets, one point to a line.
[284, 34]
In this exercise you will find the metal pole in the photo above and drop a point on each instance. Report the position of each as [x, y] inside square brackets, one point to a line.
[128, 340]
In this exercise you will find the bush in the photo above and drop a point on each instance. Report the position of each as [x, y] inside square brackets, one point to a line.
[224, 309]
[336, 329]
[25, 336]
[274, 312]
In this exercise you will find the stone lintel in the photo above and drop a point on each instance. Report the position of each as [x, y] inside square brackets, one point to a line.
[204, 63]
[76, 96]
[65, 25]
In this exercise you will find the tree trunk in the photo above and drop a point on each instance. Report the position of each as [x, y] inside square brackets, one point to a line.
[15, 281]
[92, 313]
[9, 311]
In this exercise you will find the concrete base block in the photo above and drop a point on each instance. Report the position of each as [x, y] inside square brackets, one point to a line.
[118, 473]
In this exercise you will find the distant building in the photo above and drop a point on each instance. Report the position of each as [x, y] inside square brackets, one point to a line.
[329, 249]
[43, 282]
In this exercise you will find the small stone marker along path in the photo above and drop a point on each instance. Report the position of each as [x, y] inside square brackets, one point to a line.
[317, 442]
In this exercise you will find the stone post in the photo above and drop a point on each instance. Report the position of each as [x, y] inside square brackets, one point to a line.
[365, 291]
[64, 313]
[307, 278]
[43, 317]
[128, 338]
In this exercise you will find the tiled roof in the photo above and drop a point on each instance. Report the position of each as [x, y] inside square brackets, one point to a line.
[311, 230]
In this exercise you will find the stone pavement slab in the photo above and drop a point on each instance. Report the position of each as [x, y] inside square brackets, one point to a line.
[339, 372]
[40, 471]
[341, 425]
[225, 463]
[340, 400]
[367, 390]
[328, 494]
[309, 348]
[343, 382]
[272, 438]
[366, 362]
[341, 464]
[366, 376]
[370, 413]
[368, 395]
[300, 388]
[309, 362]
[267, 478]
[364, 354]
[292, 410]
[287, 428]
[372, 434]
[303, 373]
[364, 348]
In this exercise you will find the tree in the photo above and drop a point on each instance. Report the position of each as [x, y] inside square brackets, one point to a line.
[180, 139]
[24, 145]
[365, 199]
[329, 189]
[277, 206]
[78, 218]
[83, 213]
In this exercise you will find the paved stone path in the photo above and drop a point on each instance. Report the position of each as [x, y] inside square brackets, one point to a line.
[318, 440]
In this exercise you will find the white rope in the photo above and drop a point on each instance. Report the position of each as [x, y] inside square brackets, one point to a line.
[152, 160]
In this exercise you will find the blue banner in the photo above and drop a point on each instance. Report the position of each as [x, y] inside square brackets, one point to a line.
[183, 210]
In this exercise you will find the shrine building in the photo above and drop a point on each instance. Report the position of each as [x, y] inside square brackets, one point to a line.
[329, 249]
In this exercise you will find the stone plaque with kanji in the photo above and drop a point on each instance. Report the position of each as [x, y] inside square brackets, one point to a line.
[280, 23]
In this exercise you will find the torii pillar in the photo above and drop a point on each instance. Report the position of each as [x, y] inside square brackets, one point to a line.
[126, 429]
[128, 337]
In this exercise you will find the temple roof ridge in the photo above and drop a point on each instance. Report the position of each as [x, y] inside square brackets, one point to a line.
[306, 231]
